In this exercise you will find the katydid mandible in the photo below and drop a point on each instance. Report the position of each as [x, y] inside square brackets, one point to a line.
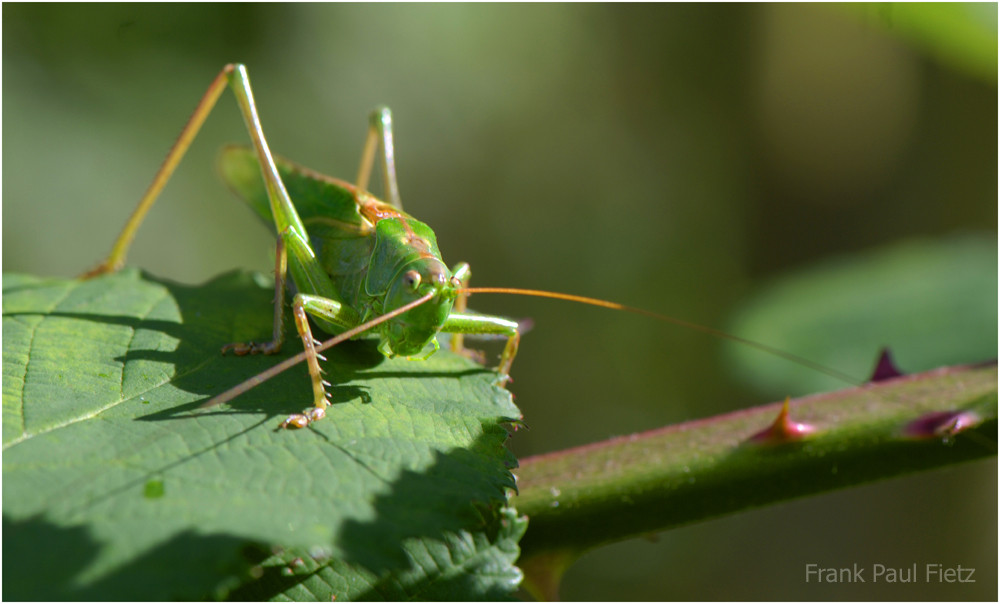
[357, 264]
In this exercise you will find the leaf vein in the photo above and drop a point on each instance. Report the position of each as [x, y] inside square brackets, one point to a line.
[122, 399]
[27, 362]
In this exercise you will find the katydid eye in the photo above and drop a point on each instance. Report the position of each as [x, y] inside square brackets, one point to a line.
[412, 279]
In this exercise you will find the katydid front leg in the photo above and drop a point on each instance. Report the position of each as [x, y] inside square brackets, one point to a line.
[335, 316]
[331, 311]
[327, 310]
[459, 323]
[461, 275]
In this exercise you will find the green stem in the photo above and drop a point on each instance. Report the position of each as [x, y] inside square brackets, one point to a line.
[633, 485]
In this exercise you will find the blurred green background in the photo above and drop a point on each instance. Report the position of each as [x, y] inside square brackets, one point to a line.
[681, 158]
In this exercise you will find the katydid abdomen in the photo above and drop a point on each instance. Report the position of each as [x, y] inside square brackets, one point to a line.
[341, 237]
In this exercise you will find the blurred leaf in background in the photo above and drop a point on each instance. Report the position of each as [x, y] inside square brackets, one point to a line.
[679, 158]
[929, 303]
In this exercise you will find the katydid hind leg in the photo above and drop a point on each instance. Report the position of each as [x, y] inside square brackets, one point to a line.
[282, 209]
[235, 76]
[119, 250]
[379, 142]
[307, 272]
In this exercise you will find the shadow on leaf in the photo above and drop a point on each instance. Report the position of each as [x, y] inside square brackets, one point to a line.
[407, 472]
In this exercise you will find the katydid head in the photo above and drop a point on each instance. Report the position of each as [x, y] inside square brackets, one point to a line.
[411, 332]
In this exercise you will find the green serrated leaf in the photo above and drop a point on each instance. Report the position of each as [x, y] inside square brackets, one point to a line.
[462, 563]
[120, 488]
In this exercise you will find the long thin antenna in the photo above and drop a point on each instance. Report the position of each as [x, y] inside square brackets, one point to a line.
[288, 363]
[540, 293]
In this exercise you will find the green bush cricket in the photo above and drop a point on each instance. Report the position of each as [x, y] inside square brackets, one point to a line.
[357, 264]
[362, 265]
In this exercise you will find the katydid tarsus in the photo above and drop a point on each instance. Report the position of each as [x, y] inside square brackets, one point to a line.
[357, 264]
